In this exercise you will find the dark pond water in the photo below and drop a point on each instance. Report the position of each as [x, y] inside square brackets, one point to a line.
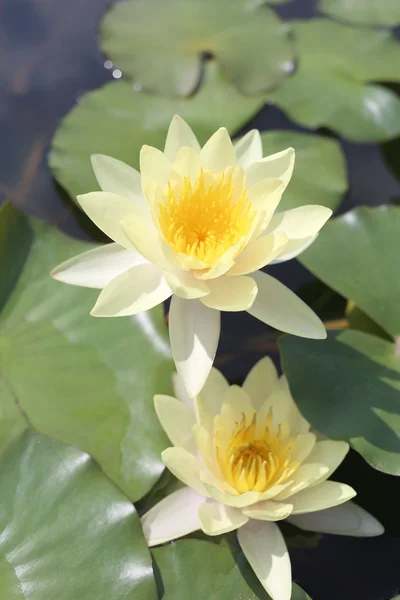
[49, 58]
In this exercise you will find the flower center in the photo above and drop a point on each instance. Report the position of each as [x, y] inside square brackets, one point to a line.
[202, 221]
[256, 457]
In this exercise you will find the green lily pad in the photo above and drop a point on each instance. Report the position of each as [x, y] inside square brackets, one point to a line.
[319, 176]
[67, 531]
[363, 12]
[117, 120]
[87, 382]
[334, 83]
[160, 44]
[355, 255]
[222, 572]
[348, 387]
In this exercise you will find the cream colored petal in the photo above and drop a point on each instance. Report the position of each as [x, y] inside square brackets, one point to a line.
[230, 294]
[279, 165]
[346, 519]
[301, 222]
[177, 421]
[236, 402]
[181, 392]
[249, 149]
[329, 453]
[143, 236]
[117, 177]
[184, 285]
[268, 510]
[274, 491]
[260, 381]
[209, 401]
[324, 495]
[293, 249]
[188, 164]
[205, 447]
[298, 423]
[107, 210]
[179, 134]
[216, 518]
[258, 253]
[265, 549]
[194, 334]
[97, 267]
[280, 308]
[218, 153]
[281, 405]
[154, 166]
[173, 517]
[265, 195]
[304, 444]
[225, 497]
[134, 291]
[215, 271]
[302, 478]
[186, 467]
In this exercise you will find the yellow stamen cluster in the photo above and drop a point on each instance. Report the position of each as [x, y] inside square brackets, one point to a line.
[202, 221]
[256, 457]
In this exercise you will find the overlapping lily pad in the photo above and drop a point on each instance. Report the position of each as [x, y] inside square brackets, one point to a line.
[67, 531]
[335, 82]
[352, 391]
[160, 43]
[319, 176]
[357, 255]
[87, 382]
[363, 12]
[221, 570]
[117, 120]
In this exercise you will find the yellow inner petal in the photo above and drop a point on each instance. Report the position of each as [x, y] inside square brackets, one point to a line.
[257, 456]
[202, 221]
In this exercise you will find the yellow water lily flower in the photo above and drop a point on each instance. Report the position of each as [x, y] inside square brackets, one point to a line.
[248, 459]
[197, 224]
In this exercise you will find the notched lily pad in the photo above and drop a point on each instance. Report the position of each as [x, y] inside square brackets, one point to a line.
[363, 12]
[335, 82]
[160, 44]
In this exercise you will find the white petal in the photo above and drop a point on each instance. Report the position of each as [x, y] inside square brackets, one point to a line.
[324, 495]
[188, 164]
[227, 498]
[293, 249]
[260, 381]
[185, 285]
[107, 210]
[330, 453]
[179, 134]
[175, 516]
[302, 478]
[280, 308]
[194, 334]
[268, 510]
[305, 442]
[265, 549]
[301, 222]
[185, 466]
[209, 400]
[258, 253]
[143, 236]
[279, 165]
[218, 153]
[117, 177]
[236, 402]
[177, 421]
[154, 166]
[217, 519]
[249, 149]
[346, 519]
[230, 293]
[134, 291]
[181, 392]
[97, 267]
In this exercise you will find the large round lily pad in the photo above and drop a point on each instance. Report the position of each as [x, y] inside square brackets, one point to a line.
[319, 176]
[348, 387]
[117, 120]
[334, 85]
[363, 12]
[160, 43]
[67, 531]
[357, 255]
[87, 382]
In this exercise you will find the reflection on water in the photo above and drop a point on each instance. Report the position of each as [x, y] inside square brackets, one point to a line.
[49, 58]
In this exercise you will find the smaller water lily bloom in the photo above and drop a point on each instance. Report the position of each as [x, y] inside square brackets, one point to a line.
[248, 459]
[197, 224]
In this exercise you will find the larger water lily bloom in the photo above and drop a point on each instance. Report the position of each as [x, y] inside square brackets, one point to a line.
[197, 225]
[248, 459]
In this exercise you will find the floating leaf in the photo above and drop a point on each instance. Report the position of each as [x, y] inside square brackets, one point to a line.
[333, 86]
[160, 43]
[87, 382]
[355, 255]
[319, 176]
[222, 572]
[117, 120]
[67, 531]
[363, 12]
[348, 387]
